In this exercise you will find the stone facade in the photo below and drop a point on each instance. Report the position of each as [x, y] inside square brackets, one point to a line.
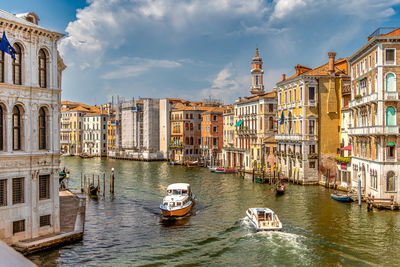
[30, 135]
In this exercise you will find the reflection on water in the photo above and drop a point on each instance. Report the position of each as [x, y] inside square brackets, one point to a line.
[130, 231]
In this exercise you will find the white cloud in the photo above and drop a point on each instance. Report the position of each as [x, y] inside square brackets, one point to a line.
[133, 67]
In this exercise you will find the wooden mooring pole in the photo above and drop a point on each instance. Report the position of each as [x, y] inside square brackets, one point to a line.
[81, 184]
[104, 184]
[112, 181]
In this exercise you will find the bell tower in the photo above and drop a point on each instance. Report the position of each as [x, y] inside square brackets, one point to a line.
[257, 73]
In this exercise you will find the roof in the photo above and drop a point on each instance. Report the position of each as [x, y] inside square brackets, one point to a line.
[178, 186]
[215, 110]
[271, 94]
[10, 17]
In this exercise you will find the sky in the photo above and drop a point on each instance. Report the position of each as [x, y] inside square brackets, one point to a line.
[196, 49]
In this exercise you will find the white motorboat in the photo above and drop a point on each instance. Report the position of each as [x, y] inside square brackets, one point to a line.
[178, 201]
[264, 219]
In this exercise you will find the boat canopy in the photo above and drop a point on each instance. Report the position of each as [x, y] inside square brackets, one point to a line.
[181, 186]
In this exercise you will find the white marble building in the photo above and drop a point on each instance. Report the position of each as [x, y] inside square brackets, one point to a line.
[30, 89]
[95, 134]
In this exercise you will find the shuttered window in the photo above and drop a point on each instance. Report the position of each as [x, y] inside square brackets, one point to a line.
[1, 67]
[42, 129]
[45, 220]
[3, 192]
[17, 63]
[42, 69]
[18, 190]
[18, 226]
[44, 187]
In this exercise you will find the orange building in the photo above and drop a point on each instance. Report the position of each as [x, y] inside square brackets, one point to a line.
[212, 135]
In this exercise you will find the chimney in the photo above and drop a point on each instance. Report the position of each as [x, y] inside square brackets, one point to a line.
[331, 64]
[297, 70]
[283, 76]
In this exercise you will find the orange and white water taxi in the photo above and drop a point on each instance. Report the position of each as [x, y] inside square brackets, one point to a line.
[178, 201]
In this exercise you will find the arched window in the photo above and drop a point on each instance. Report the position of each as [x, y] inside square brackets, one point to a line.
[1, 67]
[42, 69]
[376, 82]
[17, 63]
[42, 129]
[390, 181]
[16, 123]
[390, 116]
[1, 128]
[390, 83]
[191, 140]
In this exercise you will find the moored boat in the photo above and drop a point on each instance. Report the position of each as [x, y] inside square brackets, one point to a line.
[264, 219]
[280, 188]
[178, 201]
[193, 164]
[85, 156]
[93, 191]
[224, 170]
[341, 198]
[212, 169]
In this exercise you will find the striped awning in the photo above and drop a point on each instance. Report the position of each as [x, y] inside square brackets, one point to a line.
[390, 144]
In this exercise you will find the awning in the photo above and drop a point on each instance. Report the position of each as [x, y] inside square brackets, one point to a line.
[346, 148]
[362, 79]
[238, 123]
[390, 144]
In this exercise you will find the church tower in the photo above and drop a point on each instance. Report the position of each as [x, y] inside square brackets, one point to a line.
[257, 73]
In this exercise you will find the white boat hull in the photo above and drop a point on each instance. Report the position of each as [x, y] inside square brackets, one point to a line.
[266, 227]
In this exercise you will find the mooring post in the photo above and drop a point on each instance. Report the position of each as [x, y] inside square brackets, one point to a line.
[93, 179]
[98, 182]
[104, 184]
[81, 184]
[253, 174]
[112, 181]
[84, 183]
[359, 192]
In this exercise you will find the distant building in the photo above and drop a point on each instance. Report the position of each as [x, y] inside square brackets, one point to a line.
[212, 135]
[30, 91]
[94, 136]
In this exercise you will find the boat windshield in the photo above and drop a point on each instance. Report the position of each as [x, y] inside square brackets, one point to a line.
[184, 192]
[176, 192]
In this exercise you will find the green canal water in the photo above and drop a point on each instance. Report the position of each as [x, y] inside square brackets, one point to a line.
[130, 231]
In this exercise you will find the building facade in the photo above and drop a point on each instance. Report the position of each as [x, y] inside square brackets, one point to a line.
[30, 90]
[212, 135]
[309, 106]
[94, 137]
[374, 105]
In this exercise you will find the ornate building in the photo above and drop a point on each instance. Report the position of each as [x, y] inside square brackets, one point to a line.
[30, 88]
[374, 131]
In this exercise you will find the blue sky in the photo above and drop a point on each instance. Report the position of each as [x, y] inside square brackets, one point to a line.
[198, 48]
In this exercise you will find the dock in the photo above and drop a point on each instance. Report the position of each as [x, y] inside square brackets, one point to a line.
[72, 225]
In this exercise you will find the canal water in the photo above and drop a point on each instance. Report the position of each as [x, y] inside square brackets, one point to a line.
[130, 231]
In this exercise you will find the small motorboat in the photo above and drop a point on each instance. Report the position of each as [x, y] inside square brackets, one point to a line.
[264, 219]
[224, 170]
[178, 201]
[193, 164]
[85, 156]
[280, 188]
[212, 169]
[341, 198]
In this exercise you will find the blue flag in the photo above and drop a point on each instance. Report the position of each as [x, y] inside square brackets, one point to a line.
[282, 118]
[6, 47]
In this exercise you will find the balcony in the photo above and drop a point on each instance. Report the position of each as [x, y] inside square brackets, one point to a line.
[391, 96]
[374, 130]
[288, 137]
[362, 100]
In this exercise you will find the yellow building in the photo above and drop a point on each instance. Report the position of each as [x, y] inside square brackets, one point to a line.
[309, 106]
[111, 128]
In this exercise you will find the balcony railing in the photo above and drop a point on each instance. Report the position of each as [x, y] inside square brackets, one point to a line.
[363, 100]
[377, 130]
[391, 96]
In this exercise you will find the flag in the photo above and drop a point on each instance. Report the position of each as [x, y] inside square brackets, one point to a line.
[6, 47]
[282, 118]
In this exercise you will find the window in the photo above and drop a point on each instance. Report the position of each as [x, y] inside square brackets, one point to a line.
[311, 93]
[42, 129]
[44, 187]
[1, 128]
[390, 83]
[42, 69]
[17, 63]
[376, 58]
[18, 226]
[311, 126]
[390, 56]
[370, 61]
[215, 141]
[3, 192]
[312, 165]
[390, 181]
[45, 220]
[1, 67]
[390, 116]
[18, 190]
[312, 149]
[16, 128]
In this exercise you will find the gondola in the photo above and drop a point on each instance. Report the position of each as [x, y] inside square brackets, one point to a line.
[93, 191]
[280, 188]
